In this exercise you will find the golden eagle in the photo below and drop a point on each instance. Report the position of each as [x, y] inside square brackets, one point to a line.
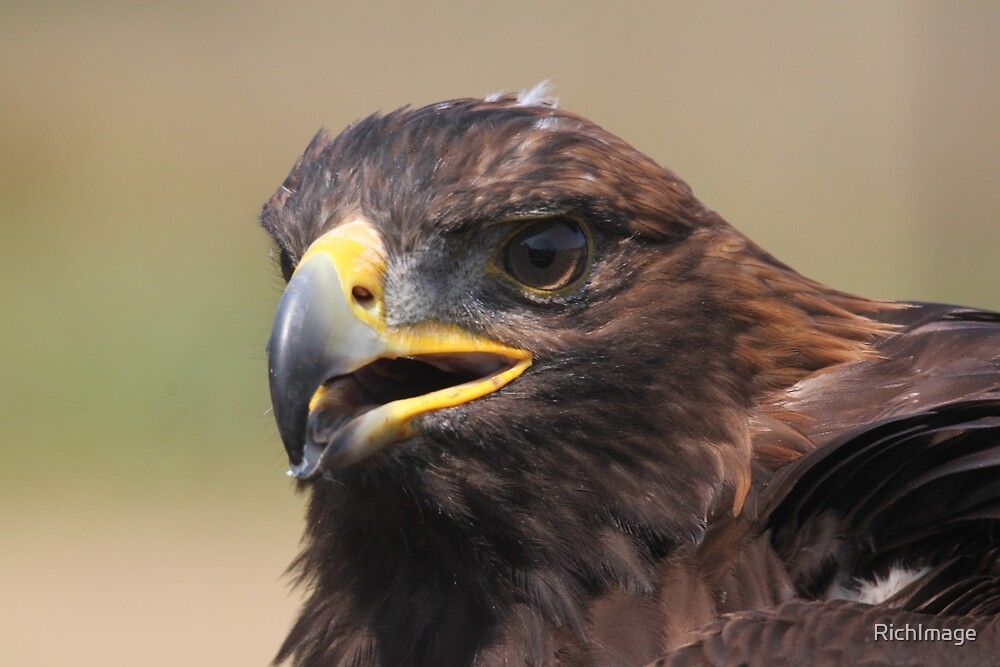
[552, 410]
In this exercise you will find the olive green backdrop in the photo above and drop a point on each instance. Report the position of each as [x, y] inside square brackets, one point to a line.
[143, 505]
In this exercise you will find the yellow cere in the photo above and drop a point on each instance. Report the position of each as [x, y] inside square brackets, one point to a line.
[357, 253]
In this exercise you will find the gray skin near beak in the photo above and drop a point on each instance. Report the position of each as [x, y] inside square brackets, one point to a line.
[315, 337]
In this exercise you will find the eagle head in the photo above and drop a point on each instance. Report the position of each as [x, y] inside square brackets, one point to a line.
[517, 364]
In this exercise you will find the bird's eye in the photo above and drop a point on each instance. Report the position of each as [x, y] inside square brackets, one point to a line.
[546, 255]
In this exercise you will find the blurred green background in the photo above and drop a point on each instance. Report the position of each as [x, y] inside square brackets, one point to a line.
[144, 513]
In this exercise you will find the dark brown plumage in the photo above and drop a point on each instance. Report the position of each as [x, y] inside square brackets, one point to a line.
[701, 431]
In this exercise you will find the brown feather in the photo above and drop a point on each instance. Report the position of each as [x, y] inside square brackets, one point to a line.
[703, 431]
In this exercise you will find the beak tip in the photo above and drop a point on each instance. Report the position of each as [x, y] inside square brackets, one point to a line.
[308, 463]
[298, 472]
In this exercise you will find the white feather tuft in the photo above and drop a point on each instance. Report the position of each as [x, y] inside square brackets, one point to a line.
[540, 95]
[879, 590]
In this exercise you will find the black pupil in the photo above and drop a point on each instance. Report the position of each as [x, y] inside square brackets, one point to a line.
[547, 255]
[541, 251]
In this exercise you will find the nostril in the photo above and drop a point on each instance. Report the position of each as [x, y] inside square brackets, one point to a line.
[362, 295]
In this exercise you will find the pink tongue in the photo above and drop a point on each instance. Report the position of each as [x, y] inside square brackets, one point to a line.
[342, 394]
[340, 400]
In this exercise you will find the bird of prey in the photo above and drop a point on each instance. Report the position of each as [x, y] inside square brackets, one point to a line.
[550, 409]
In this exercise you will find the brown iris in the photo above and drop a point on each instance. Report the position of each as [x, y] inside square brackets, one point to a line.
[546, 255]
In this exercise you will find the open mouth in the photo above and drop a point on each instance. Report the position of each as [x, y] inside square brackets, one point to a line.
[344, 384]
[393, 390]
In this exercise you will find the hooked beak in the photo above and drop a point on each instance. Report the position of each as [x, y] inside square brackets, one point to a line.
[344, 384]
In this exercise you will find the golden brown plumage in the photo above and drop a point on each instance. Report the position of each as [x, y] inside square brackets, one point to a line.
[552, 410]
